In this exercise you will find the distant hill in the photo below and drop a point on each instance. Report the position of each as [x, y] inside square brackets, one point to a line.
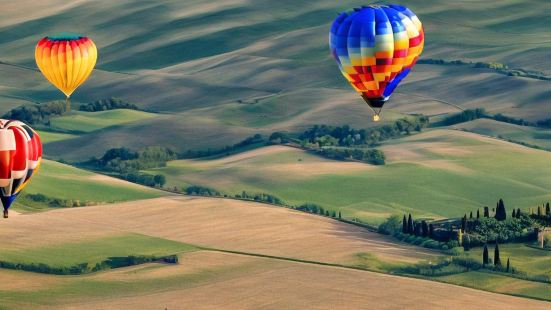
[225, 70]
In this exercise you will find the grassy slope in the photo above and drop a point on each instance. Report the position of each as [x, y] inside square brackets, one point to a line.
[499, 283]
[523, 258]
[533, 136]
[436, 173]
[92, 121]
[94, 251]
[57, 180]
[196, 60]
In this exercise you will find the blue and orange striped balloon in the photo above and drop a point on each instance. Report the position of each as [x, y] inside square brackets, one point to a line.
[375, 47]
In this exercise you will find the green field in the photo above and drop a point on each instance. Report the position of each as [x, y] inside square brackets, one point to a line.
[439, 173]
[500, 283]
[48, 137]
[95, 251]
[520, 134]
[56, 180]
[79, 121]
[533, 261]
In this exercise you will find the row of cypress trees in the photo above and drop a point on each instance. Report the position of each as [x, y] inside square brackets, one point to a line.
[497, 259]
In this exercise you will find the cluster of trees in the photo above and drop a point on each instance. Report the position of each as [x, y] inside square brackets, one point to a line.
[261, 197]
[56, 202]
[542, 214]
[316, 209]
[497, 67]
[227, 150]
[37, 114]
[199, 190]
[496, 228]
[325, 135]
[107, 104]
[145, 178]
[127, 163]
[474, 114]
[371, 156]
[415, 232]
[113, 262]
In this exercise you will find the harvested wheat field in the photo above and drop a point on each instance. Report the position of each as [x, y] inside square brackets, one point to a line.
[211, 222]
[213, 280]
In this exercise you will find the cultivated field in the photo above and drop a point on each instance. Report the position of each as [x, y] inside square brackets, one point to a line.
[244, 282]
[157, 226]
[213, 223]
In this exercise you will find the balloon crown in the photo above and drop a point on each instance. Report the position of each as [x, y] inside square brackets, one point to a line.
[63, 36]
[372, 6]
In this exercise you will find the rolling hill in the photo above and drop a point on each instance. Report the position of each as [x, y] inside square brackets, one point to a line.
[59, 181]
[438, 173]
[226, 70]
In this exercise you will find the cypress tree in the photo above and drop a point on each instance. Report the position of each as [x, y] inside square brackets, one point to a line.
[464, 223]
[497, 261]
[404, 225]
[425, 229]
[466, 242]
[547, 209]
[486, 212]
[477, 213]
[431, 231]
[418, 230]
[508, 265]
[340, 215]
[485, 255]
[410, 225]
[500, 214]
[518, 213]
[471, 215]
[326, 212]
[513, 214]
[539, 211]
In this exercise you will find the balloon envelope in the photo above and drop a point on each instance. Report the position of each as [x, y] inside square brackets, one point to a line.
[375, 47]
[66, 60]
[20, 157]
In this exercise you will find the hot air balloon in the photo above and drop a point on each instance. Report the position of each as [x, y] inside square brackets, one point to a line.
[20, 156]
[375, 47]
[66, 60]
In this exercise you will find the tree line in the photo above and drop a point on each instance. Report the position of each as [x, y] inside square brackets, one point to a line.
[44, 112]
[345, 136]
[371, 156]
[107, 104]
[478, 113]
[84, 268]
[497, 67]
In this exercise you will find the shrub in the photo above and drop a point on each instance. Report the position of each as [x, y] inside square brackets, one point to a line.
[391, 225]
